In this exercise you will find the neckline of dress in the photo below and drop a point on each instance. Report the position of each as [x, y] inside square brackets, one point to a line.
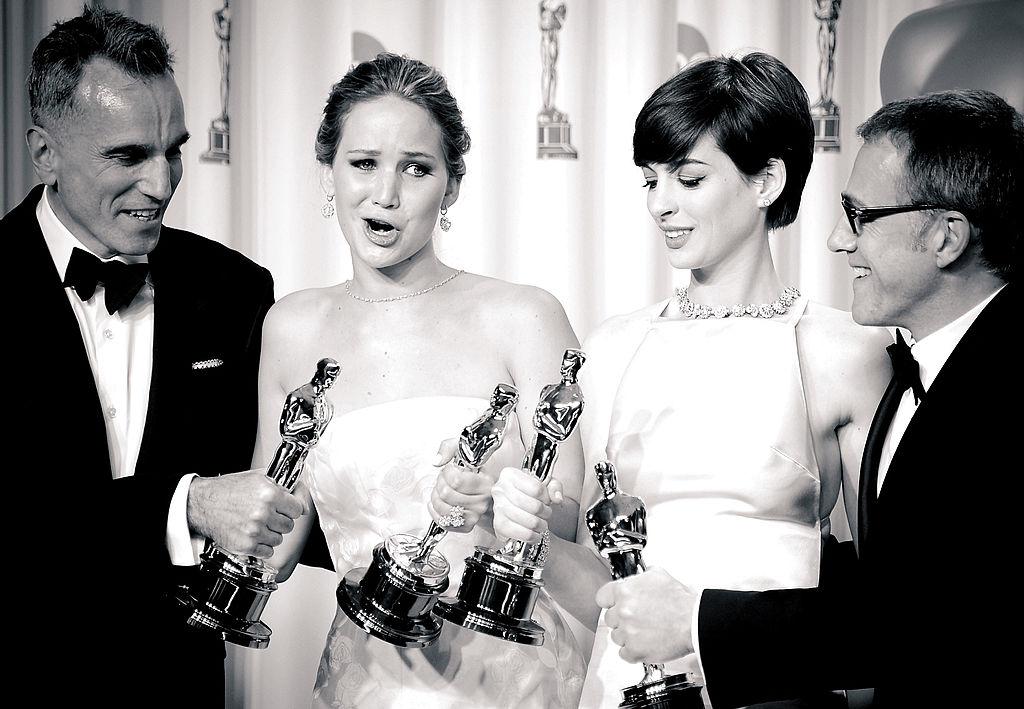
[407, 399]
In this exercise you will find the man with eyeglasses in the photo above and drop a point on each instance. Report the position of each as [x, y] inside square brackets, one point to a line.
[933, 235]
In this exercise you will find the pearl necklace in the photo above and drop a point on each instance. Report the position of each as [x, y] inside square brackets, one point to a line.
[392, 298]
[691, 311]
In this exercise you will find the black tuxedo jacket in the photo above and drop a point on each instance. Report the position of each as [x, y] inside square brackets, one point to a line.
[916, 615]
[90, 559]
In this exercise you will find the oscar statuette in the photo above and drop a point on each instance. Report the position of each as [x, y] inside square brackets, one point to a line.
[392, 599]
[618, 525]
[234, 588]
[500, 586]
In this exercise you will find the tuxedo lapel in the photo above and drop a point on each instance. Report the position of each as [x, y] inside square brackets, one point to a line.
[65, 374]
[959, 380]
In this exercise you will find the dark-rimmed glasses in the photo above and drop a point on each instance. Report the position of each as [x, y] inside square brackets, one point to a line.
[859, 216]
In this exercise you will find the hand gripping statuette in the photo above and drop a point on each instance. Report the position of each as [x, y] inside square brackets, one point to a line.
[500, 586]
[618, 525]
[393, 597]
[234, 588]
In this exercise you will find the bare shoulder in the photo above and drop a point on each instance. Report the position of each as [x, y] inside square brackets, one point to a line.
[515, 299]
[840, 355]
[300, 311]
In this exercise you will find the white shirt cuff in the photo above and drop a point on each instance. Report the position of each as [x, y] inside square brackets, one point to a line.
[183, 547]
[695, 634]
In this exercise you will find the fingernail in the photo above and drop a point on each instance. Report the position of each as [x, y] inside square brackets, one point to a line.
[438, 460]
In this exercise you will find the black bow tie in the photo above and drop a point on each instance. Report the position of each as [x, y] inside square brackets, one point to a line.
[905, 368]
[121, 281]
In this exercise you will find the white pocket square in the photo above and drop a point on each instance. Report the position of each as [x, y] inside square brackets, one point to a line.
[208, 363]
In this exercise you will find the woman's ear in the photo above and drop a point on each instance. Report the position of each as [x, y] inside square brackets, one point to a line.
[770, 182]
[327, 179]
[452, 193]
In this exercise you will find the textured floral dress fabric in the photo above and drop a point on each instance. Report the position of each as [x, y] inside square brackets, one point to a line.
[371, 476]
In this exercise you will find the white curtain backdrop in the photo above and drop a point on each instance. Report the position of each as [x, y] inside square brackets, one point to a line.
[578, 228]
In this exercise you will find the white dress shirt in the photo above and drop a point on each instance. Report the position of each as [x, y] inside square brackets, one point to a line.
[931, 353]
[120, 351]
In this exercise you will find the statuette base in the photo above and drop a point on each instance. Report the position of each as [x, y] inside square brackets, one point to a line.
[236, 590]
[669, 692]
[497, 598]
[392, 599]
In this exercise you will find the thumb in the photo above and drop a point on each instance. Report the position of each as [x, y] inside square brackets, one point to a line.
[555, 491]
[446, 451]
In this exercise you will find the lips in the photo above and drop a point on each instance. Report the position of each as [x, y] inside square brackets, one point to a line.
[380, 232]
[860, 272]
[676, 237]
[143, 215]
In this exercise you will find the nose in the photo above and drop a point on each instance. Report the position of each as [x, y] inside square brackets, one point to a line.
[158, 179]
[660, 203]
[842, 237]
[386, 189]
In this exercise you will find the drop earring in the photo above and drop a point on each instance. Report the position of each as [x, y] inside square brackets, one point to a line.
[446, 223]
[328, 209]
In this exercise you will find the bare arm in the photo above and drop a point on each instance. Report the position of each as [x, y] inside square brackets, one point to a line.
[280, 372]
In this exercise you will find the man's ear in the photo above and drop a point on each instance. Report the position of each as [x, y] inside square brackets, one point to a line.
[770, 182]
[45, 154]
[951, 238]
[452, 193]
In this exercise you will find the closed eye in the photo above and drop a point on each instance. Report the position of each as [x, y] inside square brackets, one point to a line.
[689, 182]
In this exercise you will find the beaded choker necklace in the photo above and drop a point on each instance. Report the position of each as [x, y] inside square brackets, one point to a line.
[392, 298]
[691, 311]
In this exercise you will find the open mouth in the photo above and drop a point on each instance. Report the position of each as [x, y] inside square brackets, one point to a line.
[380, 232]
[860, 272]
[143, 215]
[675, 238]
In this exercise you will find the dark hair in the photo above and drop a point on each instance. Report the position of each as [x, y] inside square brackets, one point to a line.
[963, 150]
[753, 107]
[392, 75]
[58, 60]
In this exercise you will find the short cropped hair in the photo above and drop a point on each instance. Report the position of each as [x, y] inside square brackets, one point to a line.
[753, 107]
[392, 75]
[140, 50]
[962, 150]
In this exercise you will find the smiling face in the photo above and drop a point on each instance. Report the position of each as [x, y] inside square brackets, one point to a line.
[895, 273]
[707, 208]
[116, 160]
[390, 180]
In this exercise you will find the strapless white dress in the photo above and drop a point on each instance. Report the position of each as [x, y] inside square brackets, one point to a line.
[705, 420]
[371, 476]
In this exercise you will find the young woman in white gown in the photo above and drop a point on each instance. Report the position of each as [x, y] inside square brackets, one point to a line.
[421, 347]
[737, 408]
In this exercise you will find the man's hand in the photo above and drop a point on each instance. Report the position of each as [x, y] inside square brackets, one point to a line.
[245, 513]
[522, 505]
[650, 616]
[455, 486]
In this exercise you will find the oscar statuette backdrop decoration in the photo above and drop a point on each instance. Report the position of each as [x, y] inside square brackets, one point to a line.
[824, 111]
[392, 599]
[219, 132]
[500, 586]
[553, 129]
[618, 525]
[234, 588]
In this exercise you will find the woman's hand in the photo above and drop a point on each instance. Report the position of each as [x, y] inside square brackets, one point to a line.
[469, 490]
[522, 505]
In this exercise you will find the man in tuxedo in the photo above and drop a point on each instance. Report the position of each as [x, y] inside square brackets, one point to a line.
[932, 233]
[135, 388]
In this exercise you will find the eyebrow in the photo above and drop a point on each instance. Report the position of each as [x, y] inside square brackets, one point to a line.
[405, 153]
[144, 147]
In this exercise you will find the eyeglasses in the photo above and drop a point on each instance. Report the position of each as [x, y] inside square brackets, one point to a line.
[859, 216]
